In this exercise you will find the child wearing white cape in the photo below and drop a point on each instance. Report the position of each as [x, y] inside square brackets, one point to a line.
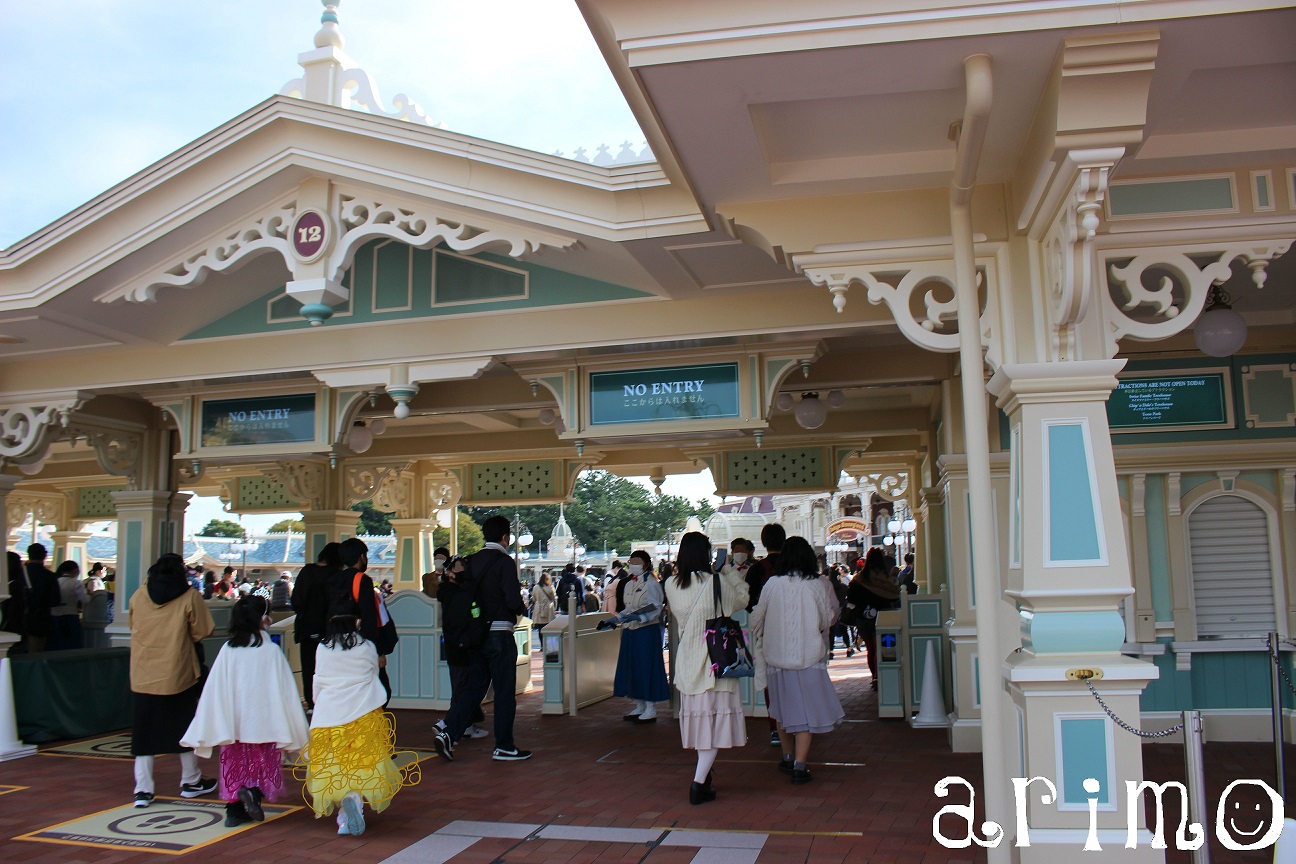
[249, 708]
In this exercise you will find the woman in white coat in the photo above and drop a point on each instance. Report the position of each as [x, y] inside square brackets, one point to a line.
[711, 715]
[790, 625]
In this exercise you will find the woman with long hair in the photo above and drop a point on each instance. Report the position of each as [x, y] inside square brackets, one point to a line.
[250, 710]
[640, 672]
[711, 715]
[790, 624]
[65, 618]
[871, 590]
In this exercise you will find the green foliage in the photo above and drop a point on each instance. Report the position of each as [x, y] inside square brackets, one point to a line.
[606, 509]
[372, 521]
[704, 510]
[470, 535]
[285, 525]
[221, 528]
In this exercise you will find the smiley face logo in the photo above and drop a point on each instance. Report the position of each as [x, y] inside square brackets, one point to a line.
[1246, 818]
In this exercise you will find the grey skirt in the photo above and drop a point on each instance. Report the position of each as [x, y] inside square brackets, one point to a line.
[803, 700]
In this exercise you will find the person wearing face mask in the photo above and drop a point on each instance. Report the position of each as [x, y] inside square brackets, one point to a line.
[432, 581]
[741, 553]
[640, 672]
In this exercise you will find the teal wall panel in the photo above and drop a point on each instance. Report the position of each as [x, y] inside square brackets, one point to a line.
[1171, 196]
[1083, 741]
[1216, 681]
[1264, 479]
[1073, 523]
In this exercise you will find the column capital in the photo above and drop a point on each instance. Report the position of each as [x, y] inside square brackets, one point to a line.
[1014, 384]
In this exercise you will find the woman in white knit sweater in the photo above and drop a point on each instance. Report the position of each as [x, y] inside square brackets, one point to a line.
[711, 715]
[790, 625]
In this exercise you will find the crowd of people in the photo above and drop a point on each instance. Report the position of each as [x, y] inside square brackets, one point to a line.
[247, 705]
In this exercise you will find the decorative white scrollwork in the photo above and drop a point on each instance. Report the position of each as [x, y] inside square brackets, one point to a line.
[897, 284]
[47, 507]
[268, 232]
[1181, 286]
[891, 485]
[118, 453]
[302, 481]
[1070, 261]
[442, 492]
[25, 429]
[364, 219]
[388, 486]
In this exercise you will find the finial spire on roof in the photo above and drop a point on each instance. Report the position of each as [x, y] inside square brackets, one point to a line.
[330, 35]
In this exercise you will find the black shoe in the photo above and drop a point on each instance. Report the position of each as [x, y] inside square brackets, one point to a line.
[774, 739]
[236, 814]
[251, 801]
[510, 754]
[442, 744]
[143, 799]
[800, 778]
[204, 786]
[630, 718]
[700, 794]
[652, 719]
[785, 765]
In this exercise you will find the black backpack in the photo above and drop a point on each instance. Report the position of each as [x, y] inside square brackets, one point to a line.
[463, 622]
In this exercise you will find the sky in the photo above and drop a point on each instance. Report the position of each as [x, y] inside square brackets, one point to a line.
[98, 91]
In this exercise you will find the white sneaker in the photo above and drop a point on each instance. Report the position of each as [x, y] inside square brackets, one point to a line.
[475, 731]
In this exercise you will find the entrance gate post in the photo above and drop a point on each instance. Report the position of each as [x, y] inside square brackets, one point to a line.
[327, 526]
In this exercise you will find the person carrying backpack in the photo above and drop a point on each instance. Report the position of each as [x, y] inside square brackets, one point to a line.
[499, 596]
[463, 629]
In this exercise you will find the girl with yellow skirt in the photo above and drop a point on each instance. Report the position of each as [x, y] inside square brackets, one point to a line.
[349, 759]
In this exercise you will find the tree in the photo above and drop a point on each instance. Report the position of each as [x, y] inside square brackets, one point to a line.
[470, 535]
[372, 520]
[285, 525]
[704, 510]
[221, 528]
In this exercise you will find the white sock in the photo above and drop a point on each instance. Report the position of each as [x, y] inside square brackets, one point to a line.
[190, 773]
[649, 711]
[144, 774]
[640, 707]
[706, 758]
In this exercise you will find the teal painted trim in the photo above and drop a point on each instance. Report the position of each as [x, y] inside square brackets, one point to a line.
[78, 555]
[1072, 516]
[407, 559]
[1189, 482]
[1264, 479]
[130, 564]
[1216, 681]
[1083, 742]
[317, 543]
[757, 408]
[1171, 196]
[1158, 546]
[976, 679]
[1072, 632]
[548, 288]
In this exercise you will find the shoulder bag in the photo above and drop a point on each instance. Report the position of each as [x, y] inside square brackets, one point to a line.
[726, 646]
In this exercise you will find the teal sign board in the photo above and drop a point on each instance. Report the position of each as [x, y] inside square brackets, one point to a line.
[1170, 401]
[261, 420]
[656, 395]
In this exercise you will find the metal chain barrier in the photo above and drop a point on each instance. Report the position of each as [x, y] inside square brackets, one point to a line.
[1277, 661]
[1127, 727]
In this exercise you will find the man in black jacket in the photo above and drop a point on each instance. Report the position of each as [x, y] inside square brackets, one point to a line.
[566, 585]
[42, 595]
[310, 600]
[499, 594]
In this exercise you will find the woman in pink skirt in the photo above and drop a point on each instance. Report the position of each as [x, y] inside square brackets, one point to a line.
[711, 715]
[251, 709]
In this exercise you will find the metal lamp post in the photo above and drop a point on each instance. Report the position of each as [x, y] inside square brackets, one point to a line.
[521, 537]
[245, 545]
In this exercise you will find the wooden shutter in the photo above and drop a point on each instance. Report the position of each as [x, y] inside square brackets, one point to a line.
[1231, 572]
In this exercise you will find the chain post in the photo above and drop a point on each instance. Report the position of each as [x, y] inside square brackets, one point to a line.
[1195, 774]
[1275, 671]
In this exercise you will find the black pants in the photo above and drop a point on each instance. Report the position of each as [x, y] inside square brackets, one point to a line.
[458, 681]
[494, 663]
[308, 648]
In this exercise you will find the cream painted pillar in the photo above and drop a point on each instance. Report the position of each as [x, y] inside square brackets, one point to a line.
[7, 484]
[327, 526]
[149, 523]
[11, 747]
[1068, 569]
[70, 546]
[413, 551]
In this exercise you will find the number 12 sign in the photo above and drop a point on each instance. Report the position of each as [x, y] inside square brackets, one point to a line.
[309, 235]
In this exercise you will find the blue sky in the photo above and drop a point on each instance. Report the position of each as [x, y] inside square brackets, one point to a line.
[96, 91]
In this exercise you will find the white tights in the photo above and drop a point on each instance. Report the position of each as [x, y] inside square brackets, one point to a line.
[706, 758]
[189, 771]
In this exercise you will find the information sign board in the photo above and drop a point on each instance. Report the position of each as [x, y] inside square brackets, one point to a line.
[1196, 400]
[259, 420]
[666, 394]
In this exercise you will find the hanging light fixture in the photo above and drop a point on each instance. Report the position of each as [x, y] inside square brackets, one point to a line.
[810, 413]
[378, 426]
[783, 401]
[360, 438]
[1219, 331]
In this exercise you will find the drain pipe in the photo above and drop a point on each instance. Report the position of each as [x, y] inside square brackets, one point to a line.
[971, 137]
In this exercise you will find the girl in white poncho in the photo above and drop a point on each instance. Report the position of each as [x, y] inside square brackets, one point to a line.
[250, 709]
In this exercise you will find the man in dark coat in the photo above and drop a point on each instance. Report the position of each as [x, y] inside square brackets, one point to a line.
[310, 600]
[42, 595]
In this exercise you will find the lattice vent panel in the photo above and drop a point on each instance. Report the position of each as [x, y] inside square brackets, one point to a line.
[514, 481]
[95, 502]
[766, 470]
[262, 493]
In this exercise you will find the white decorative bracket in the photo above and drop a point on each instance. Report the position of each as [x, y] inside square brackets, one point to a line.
[303, 481]
[1181, 288]
[389, 486]
[27, 429]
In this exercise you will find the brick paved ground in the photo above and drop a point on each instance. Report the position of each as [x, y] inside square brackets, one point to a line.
[875, 805]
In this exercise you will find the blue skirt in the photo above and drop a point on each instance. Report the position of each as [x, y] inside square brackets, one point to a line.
[641, 671]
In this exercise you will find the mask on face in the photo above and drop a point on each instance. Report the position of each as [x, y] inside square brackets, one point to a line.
[636, 569]
[738, 558]
[439, 562]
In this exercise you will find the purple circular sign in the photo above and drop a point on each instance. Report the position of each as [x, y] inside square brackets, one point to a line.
[309, 234]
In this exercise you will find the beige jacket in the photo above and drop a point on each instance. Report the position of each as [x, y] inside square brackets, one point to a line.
[163, 660]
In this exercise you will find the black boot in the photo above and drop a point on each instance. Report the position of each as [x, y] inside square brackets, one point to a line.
[235, 814]
[700, 793]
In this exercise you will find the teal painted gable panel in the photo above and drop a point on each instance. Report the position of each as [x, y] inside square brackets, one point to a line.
[1216, 681]
[394, 282]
